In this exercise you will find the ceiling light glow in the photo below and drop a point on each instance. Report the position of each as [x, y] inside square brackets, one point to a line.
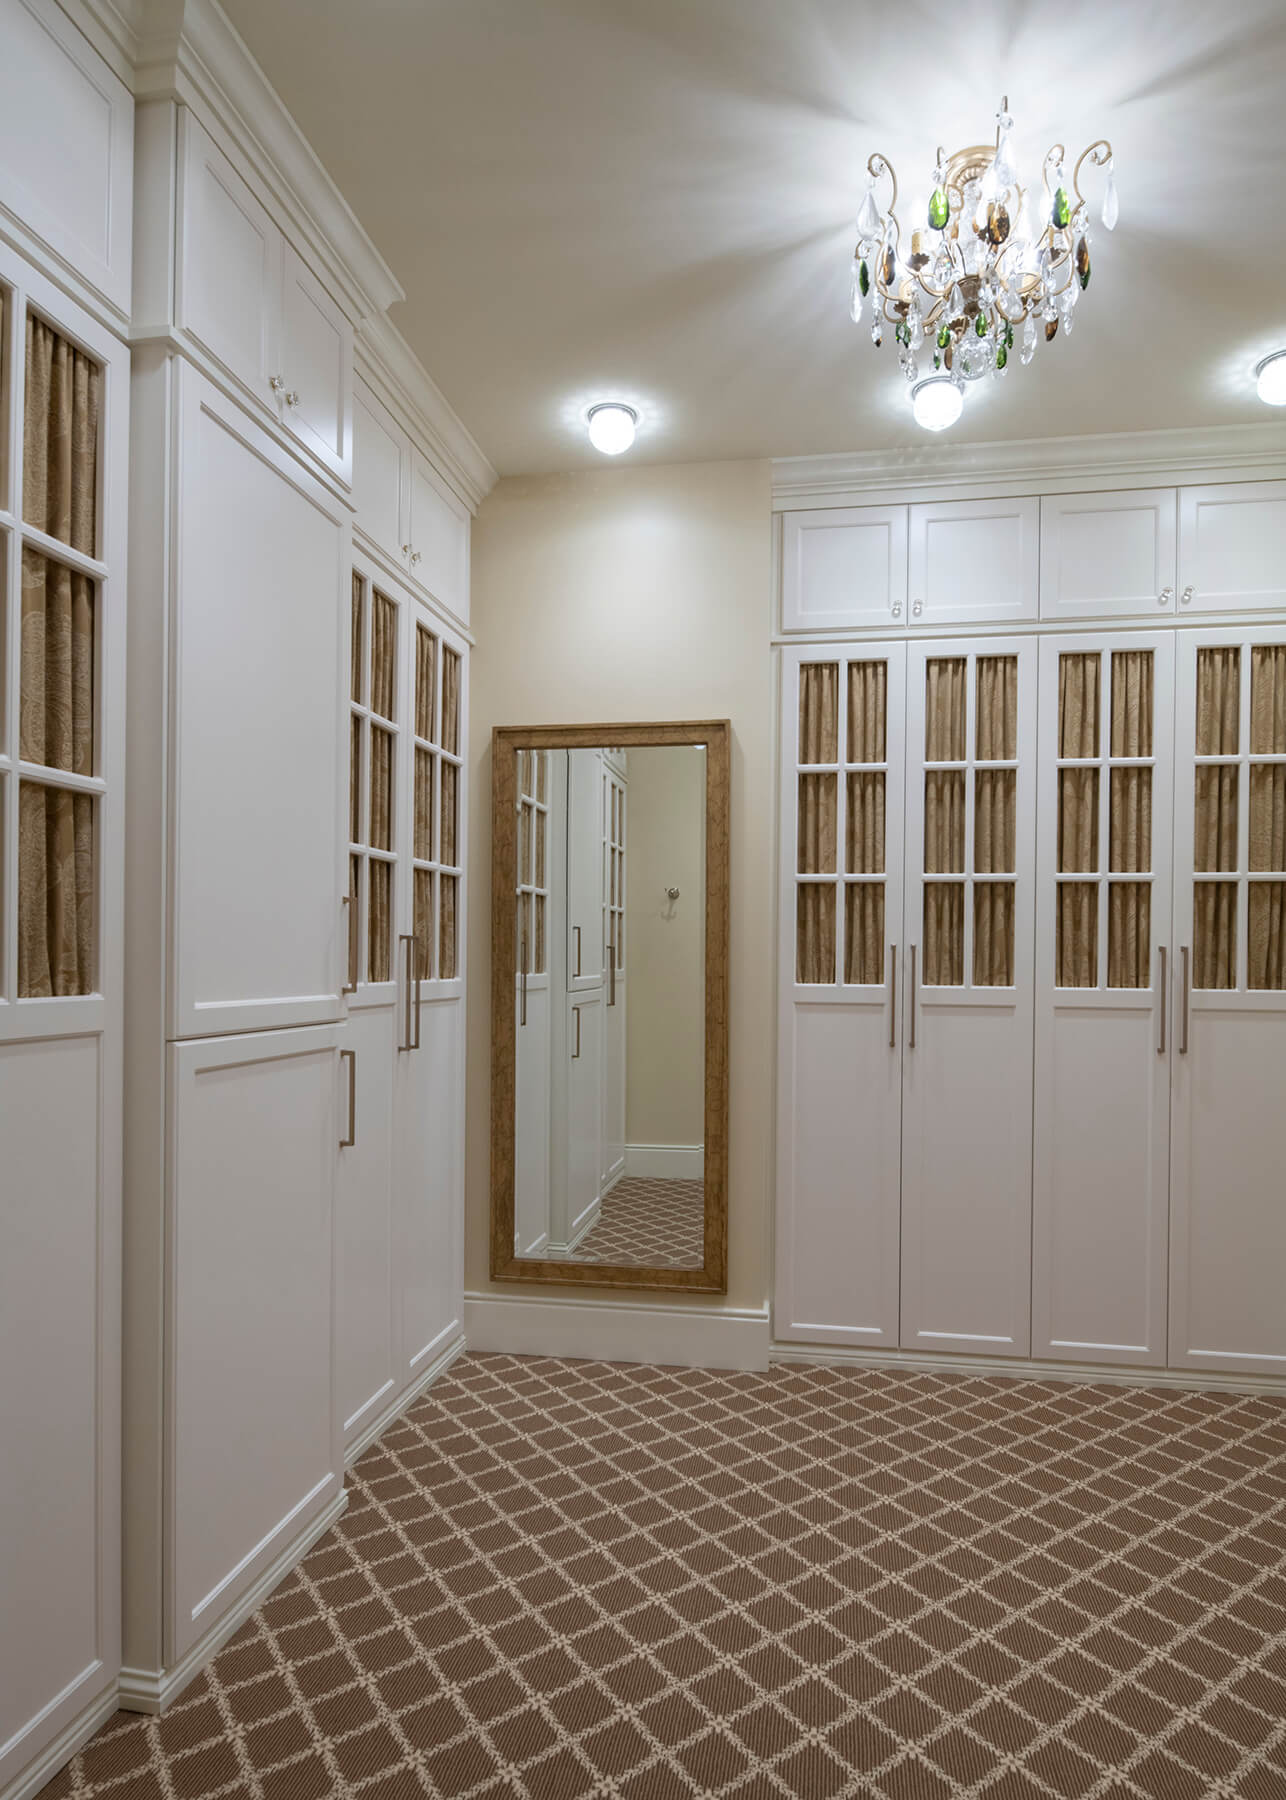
[936, 403]
[1271, 375]
[611, 426]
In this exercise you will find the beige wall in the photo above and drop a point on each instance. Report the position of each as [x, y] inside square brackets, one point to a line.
[665, 943]
[628, 594]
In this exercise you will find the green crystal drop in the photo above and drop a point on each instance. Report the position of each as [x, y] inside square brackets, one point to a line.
[1062, 212]
[1002, 356]
[1009, 337]
[863, 279]
[944, 336]
[980, 324]
[939, 209]
[1083, 263]
[937, 359]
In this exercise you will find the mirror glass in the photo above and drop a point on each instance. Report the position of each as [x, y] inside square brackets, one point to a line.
[609, 1112]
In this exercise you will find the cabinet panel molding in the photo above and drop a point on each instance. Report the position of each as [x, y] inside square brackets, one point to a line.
[1232, 547]
[974, 560]
[844, 567]
[1108, 554]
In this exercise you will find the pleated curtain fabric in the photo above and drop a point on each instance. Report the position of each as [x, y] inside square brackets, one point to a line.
[865, 828]
[817, 831]
[1215, 817]
[944, 821]
[56, 862]
[995, 821]
[448, 885]
[1129, 925]
[1076, 923]
[1266, 909]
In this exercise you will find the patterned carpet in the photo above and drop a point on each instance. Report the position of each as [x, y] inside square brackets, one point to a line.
[559, 1579]
[648, 1223]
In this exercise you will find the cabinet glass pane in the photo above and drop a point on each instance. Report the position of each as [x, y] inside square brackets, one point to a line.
[538, 961]
[423, 804]
[450, 794]
[944, 821]
[56, 891]
[540, 849]
[542, 772]
[524, 842]
[1077, 821]
[993, 934]
[1268, 816]
[56, 674]
[449, 885]
[944, 695]
[1076, 935]
[355, 639]
[1266, 935]
[1214, 843]
[1130, 821]
[523, 946]
[1078, 703]
[1218, 701]
[423, 923]
[865, 848]
[60, 438]
[381, 819]
[383, 653]
[425, 657]
[819, 713]
[864, 932]
[815, 932]
[450, 701]
[995, 821]
[944, 934]
[1129, 934]
[817, 815]
[379, 911]
[1132, 703]
[1214, 925]
[867, 711]
[355, 781]
[996, 730]
[1268, 700]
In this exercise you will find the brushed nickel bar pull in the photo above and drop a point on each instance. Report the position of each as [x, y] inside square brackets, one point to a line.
[346, 1143]
[1187, 992]
[576, 930]
[893, 996]
[419, 984]
[408, 941]
[1164, 986]
[522, 1020]
[576, 1016]
[911, 1038]
[350, 984]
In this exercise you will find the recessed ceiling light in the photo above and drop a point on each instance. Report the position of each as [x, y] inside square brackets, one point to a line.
[611, 426]
[1272, 379]
[936, 403]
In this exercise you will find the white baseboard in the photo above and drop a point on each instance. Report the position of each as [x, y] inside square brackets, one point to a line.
[1024, 1369]
[398, 1405]
[693, 1337]
[666, 1162]
[589, 1218]
[54, 1756]
[151, 1690]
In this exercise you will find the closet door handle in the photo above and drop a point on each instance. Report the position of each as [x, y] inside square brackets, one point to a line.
[350, 982]
[893, 996]
[346, 1143]
[911, 1037]
[576, 1016]
[576, 934]
[1164, 984]
[1187, 990]
[408, 943]
[522, 1019]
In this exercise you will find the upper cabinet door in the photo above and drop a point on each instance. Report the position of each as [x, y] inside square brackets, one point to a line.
[230, 265]
[1107, 555]
[1232, 547]
[844, 567]
[974, 559]
[439, 539]
[381, 475]
[316, 367]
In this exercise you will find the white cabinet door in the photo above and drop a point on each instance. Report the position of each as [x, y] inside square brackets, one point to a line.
[573, 1212]
[614, 1022]
[1104, 1034]
[230, 264]
[367, 1262]
[250, 1421]
[531, 1116]
[381, 475]
[967, 1082]
[1232, 547]
[844, 566]
[839, 1103]
[585, 959]
[1228, 1222]
[439, 539]
[262, 569]
[316, 367]
[1108, 554]
[974, 559]
[430, 1195]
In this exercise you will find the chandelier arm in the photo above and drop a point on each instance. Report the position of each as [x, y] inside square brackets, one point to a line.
[1099, 154]
[877, 165]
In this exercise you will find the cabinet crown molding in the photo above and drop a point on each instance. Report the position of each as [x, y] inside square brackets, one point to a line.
[187, 50]
[385, 360]
[1031, 465]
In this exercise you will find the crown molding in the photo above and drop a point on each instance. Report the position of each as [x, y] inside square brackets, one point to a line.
[387, 363]
[1032, 465]
[188, 50]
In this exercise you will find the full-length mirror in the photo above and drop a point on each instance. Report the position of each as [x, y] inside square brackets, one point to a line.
[609, 1015]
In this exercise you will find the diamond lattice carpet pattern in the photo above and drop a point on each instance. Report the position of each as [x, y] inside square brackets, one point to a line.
[647, 1222]
[559, 1579]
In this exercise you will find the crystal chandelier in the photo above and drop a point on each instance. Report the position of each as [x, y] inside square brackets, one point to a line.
[990, 268]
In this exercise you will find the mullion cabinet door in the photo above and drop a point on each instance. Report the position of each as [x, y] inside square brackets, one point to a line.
[841, 1033]
[1228, 1146]
[966, 1113]
[1104, 1031]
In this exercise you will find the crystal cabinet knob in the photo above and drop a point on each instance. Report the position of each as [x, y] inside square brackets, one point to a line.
[1165, 596]
[415, 557]
[406, 549]
[1185, 598]
[918, 608]
[276, 383]
[292, 398]
[897, 609]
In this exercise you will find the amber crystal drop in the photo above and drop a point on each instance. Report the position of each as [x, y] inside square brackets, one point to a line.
[1083, 263]
[939, 209]
[997, 223]
[888, 268]
[1051, 330]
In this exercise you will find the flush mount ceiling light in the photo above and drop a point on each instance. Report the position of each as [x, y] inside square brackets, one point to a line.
[1271, 379]
[611, 426]
[987, 260]
[936, 402]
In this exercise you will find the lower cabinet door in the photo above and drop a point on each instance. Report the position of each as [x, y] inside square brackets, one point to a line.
[366, 1260]
[254, 1128]
[429, 1124]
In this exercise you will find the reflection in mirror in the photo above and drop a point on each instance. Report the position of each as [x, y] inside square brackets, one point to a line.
[609, 1059]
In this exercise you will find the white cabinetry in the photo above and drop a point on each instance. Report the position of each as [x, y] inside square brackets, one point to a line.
[973, 560]
[1232, 547]
[1108, 554]
[844, 566]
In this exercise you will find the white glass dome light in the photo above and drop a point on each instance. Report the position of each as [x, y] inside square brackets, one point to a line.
[936, 402]
[1271, 379]
[611, 426]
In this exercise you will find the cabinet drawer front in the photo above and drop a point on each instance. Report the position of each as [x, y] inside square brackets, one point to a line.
[317, 367]
[1232, 547]
[844, 567]
[974, 559]
[1106, 555]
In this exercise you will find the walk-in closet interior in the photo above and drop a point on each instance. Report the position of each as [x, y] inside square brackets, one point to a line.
[642, 901]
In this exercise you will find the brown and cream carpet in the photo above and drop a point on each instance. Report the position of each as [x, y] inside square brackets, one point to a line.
[649, 1223]
[559, 1579]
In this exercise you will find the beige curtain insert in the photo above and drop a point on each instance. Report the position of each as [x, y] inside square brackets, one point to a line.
[868, 684]
[1130, 821]
[425, 649]
[356, 635]
[864, 850]
[943, 934]
[523, 944]
[538, 964]
[944, 703]
[355, 781]
[450, 701]
[1268, 700]
[815, 932]
[60, 439]
[446, 928]
[819, 713]
[995, 821]
[944, 821]
[423, 923]
[997, 720]
[542, 773]
[993, 934]
[447, 819]
[383, 653]
[817, 811]
[1268, 816]
[1132, 688]
[423, 836]
[1214, 845]
[381, 891]
[1214, 948]
[1078, 704]
[55, 892]
[1218, 701]
[1266, 901]
[56, 676]
[1129, 933]
[864, 932]
[381, 819]
[1076, 935]
[524, 842]
[1266, 935]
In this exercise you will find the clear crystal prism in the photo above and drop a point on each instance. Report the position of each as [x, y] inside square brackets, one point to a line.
[1111, 207]
[868, 215]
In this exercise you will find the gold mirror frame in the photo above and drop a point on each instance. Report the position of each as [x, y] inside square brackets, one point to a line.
[716, 736]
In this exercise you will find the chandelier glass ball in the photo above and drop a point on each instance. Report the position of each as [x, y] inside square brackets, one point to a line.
[993, 268]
